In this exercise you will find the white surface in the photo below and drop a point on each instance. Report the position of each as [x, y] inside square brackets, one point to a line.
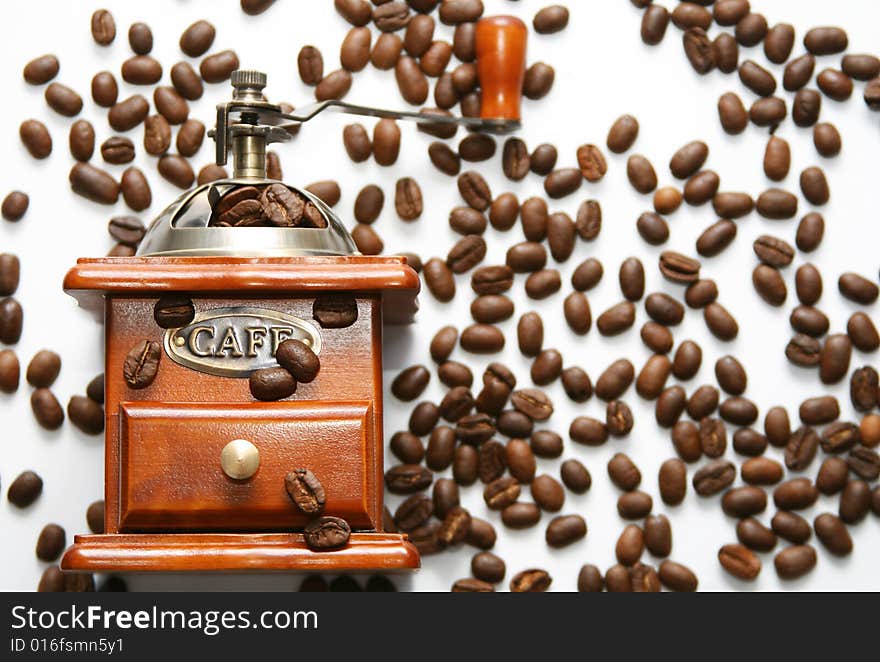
[602, 71]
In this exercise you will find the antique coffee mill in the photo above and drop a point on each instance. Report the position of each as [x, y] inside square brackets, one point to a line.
[243, 360]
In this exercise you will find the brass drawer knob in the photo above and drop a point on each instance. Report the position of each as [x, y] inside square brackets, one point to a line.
[240, 459]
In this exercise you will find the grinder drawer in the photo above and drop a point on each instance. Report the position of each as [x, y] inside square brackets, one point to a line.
[171, 476]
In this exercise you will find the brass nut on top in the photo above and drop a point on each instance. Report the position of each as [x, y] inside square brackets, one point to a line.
[240, 459]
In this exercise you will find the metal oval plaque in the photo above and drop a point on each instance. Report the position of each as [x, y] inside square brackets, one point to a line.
[234, 342]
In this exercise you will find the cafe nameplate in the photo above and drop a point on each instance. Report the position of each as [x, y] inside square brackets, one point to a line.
[234, 342]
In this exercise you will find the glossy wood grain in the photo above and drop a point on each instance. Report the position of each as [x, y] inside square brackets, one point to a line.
[191, 552]
[398, 284]
[171, 479]
[501, 61]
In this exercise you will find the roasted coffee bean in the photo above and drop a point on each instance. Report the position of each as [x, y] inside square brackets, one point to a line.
[591, 162]
[814, 186]
[617, 578]
[672, 480]
[731, 375]
[794, 562]
[663, 309]
[701, 293]
[810, 232]
[654, 23]
[543, 283]
[587, 431]
[466, 254]
[652, 228]
[630, 545]
[25, 489]
[657, 337]
[590, 579]
[15, 205]
[335, 312]
[623, 134]
[804, 351]
[547, 493]
[47, 410]
[535, 217]
[532, 402]
[550, 19]
[855, 500]
[63, 100]
[104, 89]
[477, 147]
[701, 188]
[547, 444]
[141, 70]
[10, 269]
[82, 140]
[51, 543]
[769, 284]
[739, 561]
[43, 369]
[10, 371]
[864, 389]
[689, 159]
[743, 502]
[407, 447]
[864, 462]
[826, 40]
[686, 440]
[307, 493]
[117, 150]
[777, 426]
[703, 402]
[679, 268]
[11, 315]
[832, 475]
[725, 51]
[526, 257]
[452, 373]
[835, 84]
[667, 200]
[562, 182]
[414, 511]
[779, 42]
[809, 320]
[618, 418]
[777, 158]
[561, 235]
[299, 360]
[698, 49]
[217, 67]
[716, 238]
[827, 140]
[515, 159]
[419, 34]
[806, 108]
[762, 471]
[327, 533]
[634, 505]
[730, 12]
[458, 402]
[530, 581]
[616, 319]
[819, 410]
[490, 461]
[36, 139]
[754, 535]
[757, 79]
[641, 174]
[795, 494]
[408, 199]
[615, 380]
[520, 515]
[714, 477]
[670, 405]
[720, 322]
[834, 364]
[474, 190]
[439, 279]
[41, 69]
[751, 29]
[623, 472]
[777, 204]
[93, 183]
[658, 535]
[488, 567]
[411, 80]
[176, 170]
[652, 378]
[565, 530]
[687, 360]
[190, 137]
[503, 211]
[157, 135]
[791, 526]
[543, 159]
[538, 80]
[801, 448]
[862, 332]
[407, 478]
[713, 437]
[858, 288]
[832, 533]
[127, 114]
[268, 384]
[170, 104]
[197, 38]
[732, 113]
[690, 14]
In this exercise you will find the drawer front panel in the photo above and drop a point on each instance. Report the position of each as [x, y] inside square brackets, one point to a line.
[171, 478]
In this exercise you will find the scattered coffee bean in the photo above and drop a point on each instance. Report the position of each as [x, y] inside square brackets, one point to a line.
[25, 489]
[794, 562]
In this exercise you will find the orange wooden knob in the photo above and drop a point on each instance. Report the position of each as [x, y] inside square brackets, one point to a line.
[501, 64]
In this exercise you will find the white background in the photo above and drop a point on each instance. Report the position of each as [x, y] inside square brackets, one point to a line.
[602, 71]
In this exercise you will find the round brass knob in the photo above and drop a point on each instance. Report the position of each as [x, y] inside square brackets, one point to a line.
[240, 459]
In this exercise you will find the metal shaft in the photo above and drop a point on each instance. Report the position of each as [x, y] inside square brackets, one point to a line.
[249, 156]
